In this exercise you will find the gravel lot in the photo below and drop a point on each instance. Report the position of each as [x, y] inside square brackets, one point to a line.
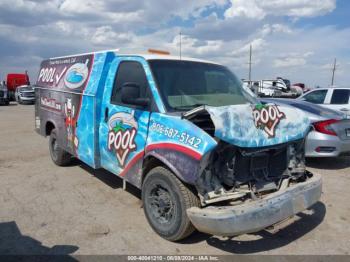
[45, 209]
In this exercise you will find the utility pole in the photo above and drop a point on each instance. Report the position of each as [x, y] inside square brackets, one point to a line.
[333, 70]
[180, 44]
[250, 64]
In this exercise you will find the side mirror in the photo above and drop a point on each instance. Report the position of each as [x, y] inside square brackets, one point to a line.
[130, 94]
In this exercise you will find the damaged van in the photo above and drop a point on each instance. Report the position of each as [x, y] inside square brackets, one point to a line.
[205, 154]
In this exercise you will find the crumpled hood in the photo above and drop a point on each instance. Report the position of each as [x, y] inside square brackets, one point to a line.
[258, 125]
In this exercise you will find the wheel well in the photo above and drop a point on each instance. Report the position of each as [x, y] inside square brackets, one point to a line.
[152, 162]
[49, 127]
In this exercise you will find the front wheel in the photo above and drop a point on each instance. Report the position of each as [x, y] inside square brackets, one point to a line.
[165, 201]
[59, 156]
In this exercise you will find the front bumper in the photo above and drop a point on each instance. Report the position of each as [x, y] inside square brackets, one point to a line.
[28, 99]
[257, 215]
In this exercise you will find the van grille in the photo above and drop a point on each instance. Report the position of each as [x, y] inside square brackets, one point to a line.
[27, 94]
[268, 165]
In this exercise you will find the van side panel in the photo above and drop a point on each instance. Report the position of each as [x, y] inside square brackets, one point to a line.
[60, 86]
[58, 109]
[90, 112]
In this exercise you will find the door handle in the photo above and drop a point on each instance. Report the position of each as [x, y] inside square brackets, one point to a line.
[106, 114]
[344, 109]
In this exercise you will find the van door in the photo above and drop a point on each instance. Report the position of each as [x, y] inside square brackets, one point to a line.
[123, 127]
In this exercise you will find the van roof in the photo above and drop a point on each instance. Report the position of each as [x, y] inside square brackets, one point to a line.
[168, 57]
[146, 56]
[88, 53]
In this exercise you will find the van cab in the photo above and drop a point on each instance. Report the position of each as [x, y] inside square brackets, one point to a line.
[204, 153]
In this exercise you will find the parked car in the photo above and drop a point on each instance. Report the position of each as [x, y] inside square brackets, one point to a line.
[330, 134]
[204, 153]
[4, 99]
[336, 98]
[25, 94]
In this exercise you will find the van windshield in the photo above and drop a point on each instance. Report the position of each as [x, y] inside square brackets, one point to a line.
[186, 84]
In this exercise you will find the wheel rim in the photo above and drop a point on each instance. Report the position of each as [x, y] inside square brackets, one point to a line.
[161, 204]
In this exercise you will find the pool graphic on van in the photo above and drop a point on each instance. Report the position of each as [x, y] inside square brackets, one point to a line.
[121, 135]
[267, 118]
[76, 75]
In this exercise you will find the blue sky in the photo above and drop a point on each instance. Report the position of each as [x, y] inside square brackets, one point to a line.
[338, 17]
[295, 39]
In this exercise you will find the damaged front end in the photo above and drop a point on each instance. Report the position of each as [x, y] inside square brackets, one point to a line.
[250, 166]
[230, 172]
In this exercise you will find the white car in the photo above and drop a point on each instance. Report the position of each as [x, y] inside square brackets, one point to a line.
[25, 94]
[336, 98]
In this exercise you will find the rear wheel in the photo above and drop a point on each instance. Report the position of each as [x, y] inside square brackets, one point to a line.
[59, 156]
[165, 201]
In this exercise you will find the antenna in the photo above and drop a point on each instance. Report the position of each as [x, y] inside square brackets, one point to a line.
[333, 70]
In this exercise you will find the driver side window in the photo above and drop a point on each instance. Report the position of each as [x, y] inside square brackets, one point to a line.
[129, 72]
[316, 97]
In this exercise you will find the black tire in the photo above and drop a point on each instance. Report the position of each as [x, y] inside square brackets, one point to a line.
[168, 218]
[59, 156]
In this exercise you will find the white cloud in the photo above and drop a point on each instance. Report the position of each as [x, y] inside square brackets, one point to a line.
[64, 27]
[257, 45]
[280, 28]
[290, 62]
[280, 48]
[245, 8]
[81, 6]
[105, 36]
[258, 9]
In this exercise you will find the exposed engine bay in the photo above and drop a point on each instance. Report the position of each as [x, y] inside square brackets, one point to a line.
[230, 173]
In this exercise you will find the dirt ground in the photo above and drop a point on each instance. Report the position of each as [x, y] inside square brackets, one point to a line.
[45, 209]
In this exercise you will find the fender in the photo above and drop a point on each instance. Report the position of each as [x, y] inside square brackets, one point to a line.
[176, 165]
[179, 144]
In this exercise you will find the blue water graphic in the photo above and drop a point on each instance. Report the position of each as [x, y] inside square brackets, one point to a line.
[74, 77]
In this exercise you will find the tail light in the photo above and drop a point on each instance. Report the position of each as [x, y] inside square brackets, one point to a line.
[324, 127]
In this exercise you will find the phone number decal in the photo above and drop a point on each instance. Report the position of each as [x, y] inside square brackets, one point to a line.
[173, 133]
